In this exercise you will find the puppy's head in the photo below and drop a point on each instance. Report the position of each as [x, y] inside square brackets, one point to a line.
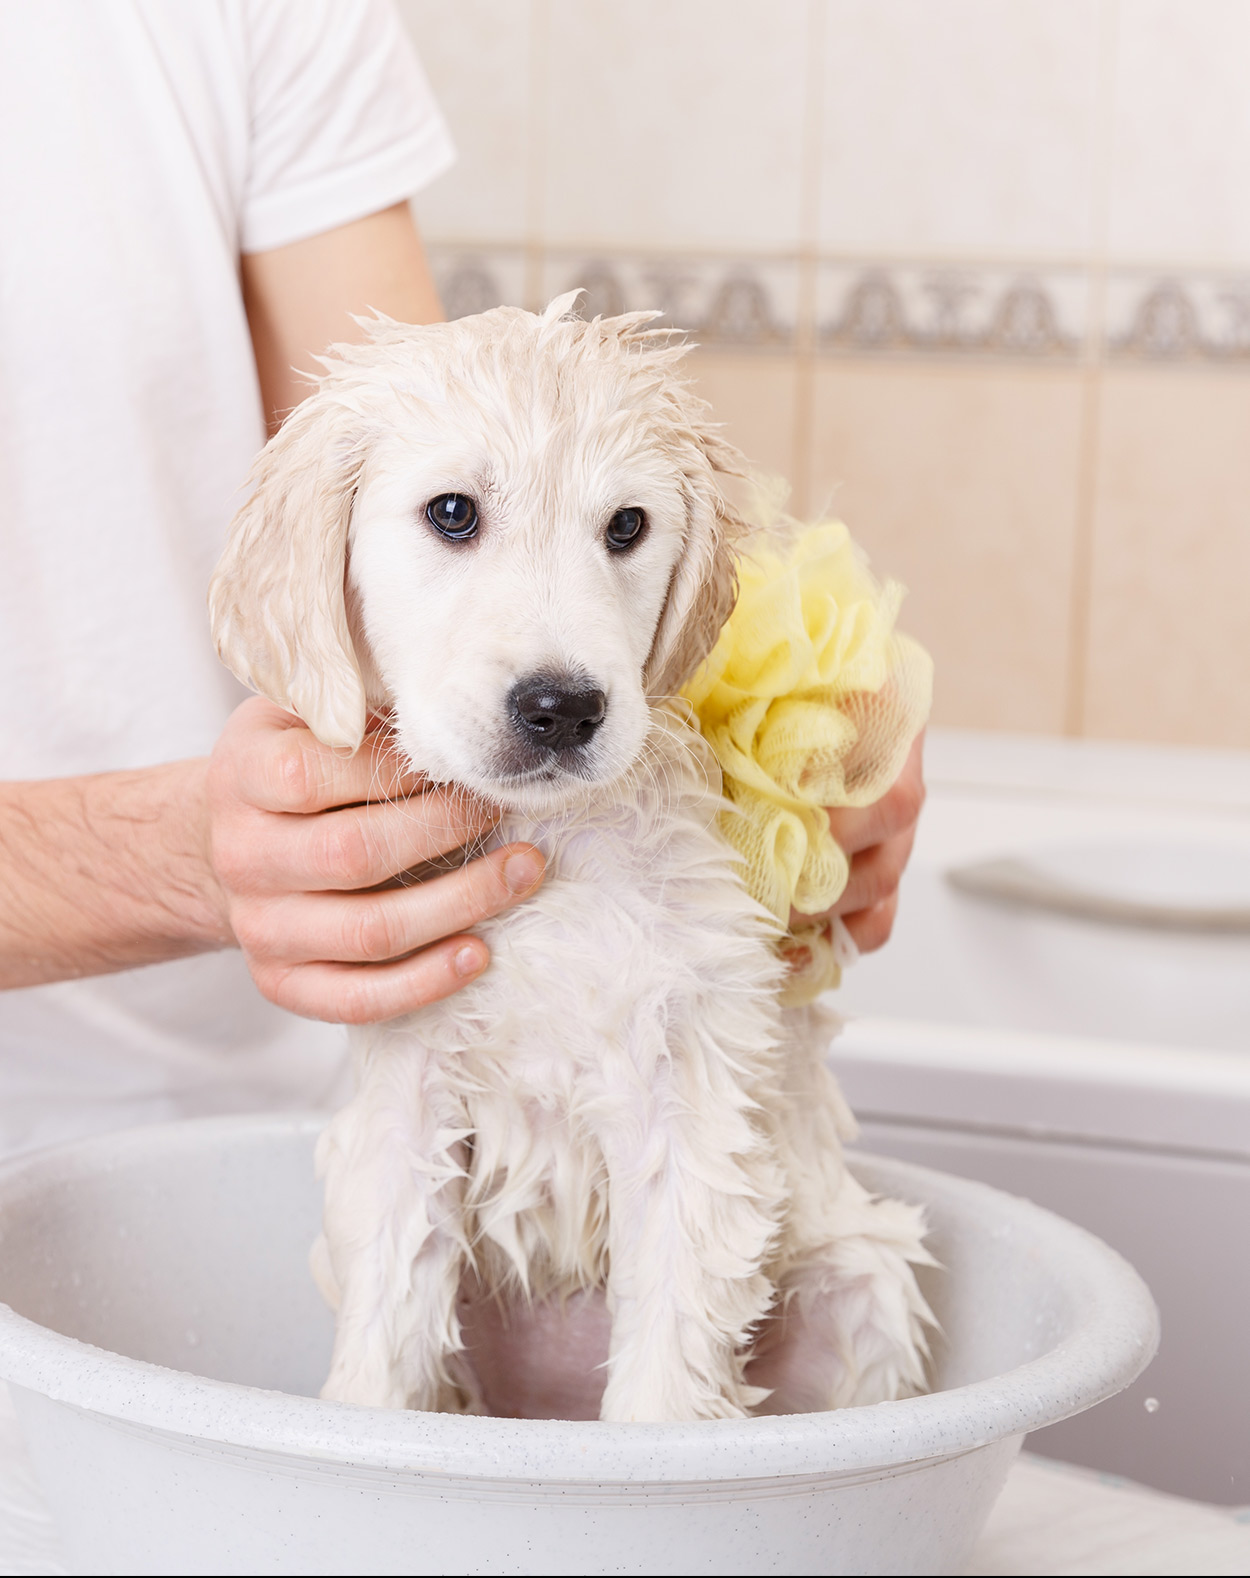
[507, 533]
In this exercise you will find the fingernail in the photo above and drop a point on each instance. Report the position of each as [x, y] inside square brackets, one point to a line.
[522, 870]
[468, 960]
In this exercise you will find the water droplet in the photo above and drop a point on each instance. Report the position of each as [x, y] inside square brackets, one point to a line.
[1152, 1405]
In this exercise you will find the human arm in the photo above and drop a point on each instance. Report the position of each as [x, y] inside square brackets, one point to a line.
[260, 846]
[104, 872]
[115, 870]
[303, 297]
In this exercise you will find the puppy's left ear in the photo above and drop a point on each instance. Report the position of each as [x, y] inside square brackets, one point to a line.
[704, 586]
[276, 600]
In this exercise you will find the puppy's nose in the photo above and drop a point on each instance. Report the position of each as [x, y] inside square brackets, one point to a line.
[549, 712]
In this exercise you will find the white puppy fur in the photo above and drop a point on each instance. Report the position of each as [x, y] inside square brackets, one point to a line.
[619, 1102]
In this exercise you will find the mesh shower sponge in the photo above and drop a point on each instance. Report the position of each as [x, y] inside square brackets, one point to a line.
[810, 698]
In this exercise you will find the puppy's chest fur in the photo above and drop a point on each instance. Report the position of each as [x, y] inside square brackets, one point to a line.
[637, 983]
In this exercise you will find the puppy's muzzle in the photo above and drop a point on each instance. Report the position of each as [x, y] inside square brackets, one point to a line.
[553, 713]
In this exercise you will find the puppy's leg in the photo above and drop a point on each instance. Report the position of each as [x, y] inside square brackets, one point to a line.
[849, 1327]
[393, 1249]
[693, 1198]
[850, 1323]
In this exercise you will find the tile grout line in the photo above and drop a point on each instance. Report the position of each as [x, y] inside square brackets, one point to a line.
[1081, 591]
[803, 436]
[536, 161]
[1080, 607]
[884, 257]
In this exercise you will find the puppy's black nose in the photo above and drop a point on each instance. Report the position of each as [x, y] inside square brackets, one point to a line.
[548, 711]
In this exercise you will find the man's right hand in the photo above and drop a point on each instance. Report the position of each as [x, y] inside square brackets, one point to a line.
[298, 829]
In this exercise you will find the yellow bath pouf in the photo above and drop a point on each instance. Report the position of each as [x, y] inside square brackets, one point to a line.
[809, 699]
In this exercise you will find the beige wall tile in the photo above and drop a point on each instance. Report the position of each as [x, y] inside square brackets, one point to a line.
[476, 53]
[962, 482]
[675, 125]
[1181, 155]
[965, 126]
[1169, 645]
[755, 398]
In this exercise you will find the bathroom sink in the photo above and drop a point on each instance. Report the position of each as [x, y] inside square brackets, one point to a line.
[1069, 918]
[1168, 884]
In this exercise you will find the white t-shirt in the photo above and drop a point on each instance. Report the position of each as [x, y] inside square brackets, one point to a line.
[144, 144]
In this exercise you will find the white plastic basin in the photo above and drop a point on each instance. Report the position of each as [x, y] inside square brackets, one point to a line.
[166, 1343]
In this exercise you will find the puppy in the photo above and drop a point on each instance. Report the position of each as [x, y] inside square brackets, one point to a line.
[509, 535]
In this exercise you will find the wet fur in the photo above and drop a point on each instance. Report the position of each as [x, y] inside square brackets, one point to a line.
[619, 1102]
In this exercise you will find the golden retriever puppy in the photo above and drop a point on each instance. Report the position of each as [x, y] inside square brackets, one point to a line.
[509, 535]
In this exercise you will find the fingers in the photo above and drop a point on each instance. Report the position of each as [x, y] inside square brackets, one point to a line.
[296, 816]
[869, 901]
[366, 928]
[328, 984]
[300, 833]
[357, 847]
[870, 929]
[281, 766]
[876, 874]
[878, 839]
[354, 995]
[858, 828]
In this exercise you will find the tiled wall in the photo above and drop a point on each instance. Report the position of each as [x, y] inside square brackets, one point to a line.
[973, 273]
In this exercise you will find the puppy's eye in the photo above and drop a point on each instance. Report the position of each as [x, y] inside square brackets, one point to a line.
[453, 515]
[625, 528]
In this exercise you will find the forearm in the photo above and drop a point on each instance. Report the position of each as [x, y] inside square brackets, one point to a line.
[104, 873]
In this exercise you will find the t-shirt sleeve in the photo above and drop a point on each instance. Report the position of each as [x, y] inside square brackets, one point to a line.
[343, 120]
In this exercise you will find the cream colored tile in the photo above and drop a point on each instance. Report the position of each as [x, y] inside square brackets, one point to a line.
[674, 125]
[962, 483]
[959, 126]
[1169, 650]
[755, 397]
[476, 53]
[1181, 152]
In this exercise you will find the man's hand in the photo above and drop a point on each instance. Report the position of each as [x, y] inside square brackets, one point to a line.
[264, 844]
[298, 830]
[878, 839]
[114, 870]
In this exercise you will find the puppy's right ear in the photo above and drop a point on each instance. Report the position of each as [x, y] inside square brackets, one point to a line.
[276, 600]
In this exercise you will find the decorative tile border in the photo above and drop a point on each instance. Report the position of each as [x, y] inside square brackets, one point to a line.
[474, 279]
[1179, 318]
[726, 301]
[922, 309]
[730, 302]
[897, 309]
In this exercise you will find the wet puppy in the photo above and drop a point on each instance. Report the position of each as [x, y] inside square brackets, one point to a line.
[509, 535]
